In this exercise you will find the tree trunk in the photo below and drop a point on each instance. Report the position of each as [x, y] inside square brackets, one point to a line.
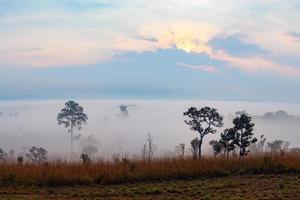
[71, 141]
[199, 149]
[241, 144]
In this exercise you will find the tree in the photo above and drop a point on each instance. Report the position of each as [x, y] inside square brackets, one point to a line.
[124, 110]
[195, 147]
[259, 146]
[278, 146]
[85, 158]
[89, 150]
[37, 154]
[72, 116]
[20, 160]
[217, 147]
[2, 154]
[149, 148]
[180, 150]
[243, 130]
[295, 150]
[227, 141]
[204, 122]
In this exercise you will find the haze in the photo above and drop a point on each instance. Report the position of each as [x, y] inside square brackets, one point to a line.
[33, 123]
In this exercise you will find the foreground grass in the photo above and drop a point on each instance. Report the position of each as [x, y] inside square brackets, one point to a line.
[58, 173]
[232, 187]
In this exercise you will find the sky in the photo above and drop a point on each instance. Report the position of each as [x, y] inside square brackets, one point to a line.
[202, 49]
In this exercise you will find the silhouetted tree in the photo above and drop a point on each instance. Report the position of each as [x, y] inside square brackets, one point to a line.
[243, 129]
[227, 141]
[72, 116]
[217, 147]
[278, 146]
[124, 109]
[180, 150]
[85, 158]
[37, 154]
[2, 154]
[195, 147]
[259, 146]
[149, 148]
[203, 121]
[20, 160]
[295, 150]
[90, 150]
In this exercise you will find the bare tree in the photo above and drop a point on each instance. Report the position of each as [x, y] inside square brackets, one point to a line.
[295, 150]
[149, 148]
[180, 150]
[259, 146]
[278, 146]
[72, 116]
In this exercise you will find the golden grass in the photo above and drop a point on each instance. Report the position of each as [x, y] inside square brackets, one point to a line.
[58, 173]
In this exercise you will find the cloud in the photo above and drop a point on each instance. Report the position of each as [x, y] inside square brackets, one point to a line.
[93, 32]
[234, 45]
[206, 68]
[254, 64]
[294, 35]
[32, 49]
[147, 38]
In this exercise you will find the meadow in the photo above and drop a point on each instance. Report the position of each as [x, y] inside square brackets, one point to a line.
[260, 176]
[241, 163]
[123, 171]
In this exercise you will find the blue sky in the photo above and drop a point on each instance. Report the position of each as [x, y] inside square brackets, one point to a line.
[203, 49]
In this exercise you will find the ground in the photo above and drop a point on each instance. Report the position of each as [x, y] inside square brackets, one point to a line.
[235, 187]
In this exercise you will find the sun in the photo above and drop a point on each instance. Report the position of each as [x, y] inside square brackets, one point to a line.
[187, 45]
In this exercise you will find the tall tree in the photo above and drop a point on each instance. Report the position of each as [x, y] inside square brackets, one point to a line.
[243, 128]
[203, 121]
[72, 116]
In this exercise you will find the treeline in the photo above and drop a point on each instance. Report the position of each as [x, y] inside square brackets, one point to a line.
[235, 141]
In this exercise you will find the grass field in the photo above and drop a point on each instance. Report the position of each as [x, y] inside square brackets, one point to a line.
[232, 187]
[60, 173]
[262, 176]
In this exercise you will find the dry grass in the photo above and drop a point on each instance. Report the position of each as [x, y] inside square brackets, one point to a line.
[58, 173]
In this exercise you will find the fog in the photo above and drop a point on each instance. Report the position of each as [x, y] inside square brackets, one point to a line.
[33, 123]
